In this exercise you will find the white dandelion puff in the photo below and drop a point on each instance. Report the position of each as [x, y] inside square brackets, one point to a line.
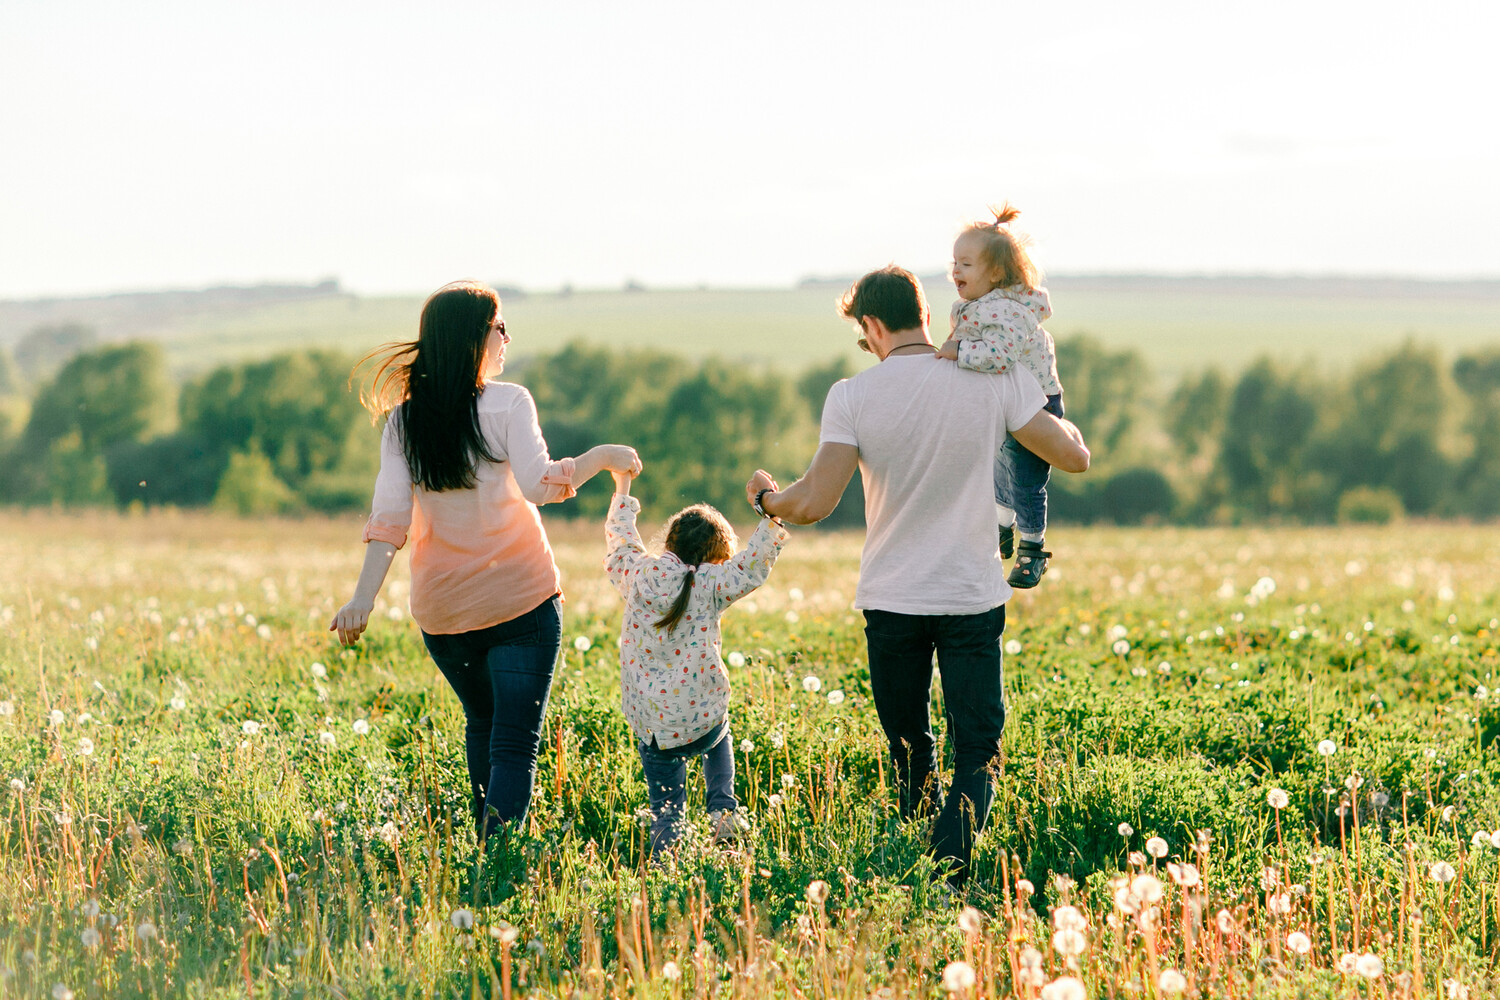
[958, 977]
[1276, 798]
[812, 684]
[583, 644]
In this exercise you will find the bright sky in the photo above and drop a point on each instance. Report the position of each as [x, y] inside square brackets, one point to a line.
[178, 143]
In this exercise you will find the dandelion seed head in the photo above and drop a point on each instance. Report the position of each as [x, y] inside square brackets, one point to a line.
[835, 697]
[1279, 903]
[1327, 748]
[56, 717]
[7, 707]
[1125, 829]
[1121, 647]
[17, 785]
[969, 920]
[1186, 875]
[746, 746]
[462, 919]
[1024, 887]
[1069, 918]
[1299, 942]
[817, 892]
[670, 972]
[361, 727]
[1277, 798]
[1171, 982]
[327, 739]
[1069, 943]
[1442, 873]
[1065, 988]
[1369, 966]
[774, 801]
[958, 977]
[812, 684]
[250, 727]
[85, 747]
[1013, 647]
[735, 660]
[583, 644]
[1156, 847]
[178, 703]
[788, 780]
[145, 931]
[319, 671]
[90, 938]
[60, 991]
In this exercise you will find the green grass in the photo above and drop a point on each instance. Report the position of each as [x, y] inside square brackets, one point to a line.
[1177, 325]
[1158, 681]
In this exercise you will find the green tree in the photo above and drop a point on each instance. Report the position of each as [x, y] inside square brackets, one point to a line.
[45, 348]
[1105, 393]
[250, 486]
[1477, 485]
[1267, 432]
[113, 394]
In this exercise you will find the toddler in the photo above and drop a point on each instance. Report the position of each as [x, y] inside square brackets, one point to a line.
[996, 323]
[672, 678]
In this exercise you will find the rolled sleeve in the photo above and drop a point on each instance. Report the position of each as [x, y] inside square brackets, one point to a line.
[391, 508]
[540, 479]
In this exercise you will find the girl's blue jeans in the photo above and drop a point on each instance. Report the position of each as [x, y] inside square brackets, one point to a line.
[666, 781]
[1021, 479]
[502, 676]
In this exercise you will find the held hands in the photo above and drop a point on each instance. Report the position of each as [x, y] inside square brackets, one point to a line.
[760, 481]
[620, 458]
[351, 621]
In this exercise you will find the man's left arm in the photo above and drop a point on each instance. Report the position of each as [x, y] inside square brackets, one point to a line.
[816, 494]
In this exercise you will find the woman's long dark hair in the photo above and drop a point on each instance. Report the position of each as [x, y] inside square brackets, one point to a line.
[434, 381]
[696, 535]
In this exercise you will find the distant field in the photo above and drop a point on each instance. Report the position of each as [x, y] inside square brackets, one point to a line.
[1178, 324]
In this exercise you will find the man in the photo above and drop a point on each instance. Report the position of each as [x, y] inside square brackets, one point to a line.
[924, 434]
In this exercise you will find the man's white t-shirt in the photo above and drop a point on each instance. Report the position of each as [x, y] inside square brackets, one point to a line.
[927, 433]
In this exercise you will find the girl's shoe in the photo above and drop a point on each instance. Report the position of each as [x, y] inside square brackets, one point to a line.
[726, 827]
[1007, 541]
[1031, 563]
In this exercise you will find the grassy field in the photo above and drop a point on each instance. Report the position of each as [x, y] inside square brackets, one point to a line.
[1238, 763]
[1177, 324]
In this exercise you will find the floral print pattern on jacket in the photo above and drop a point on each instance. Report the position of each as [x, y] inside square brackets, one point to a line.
[673, 684]
[1002, 328]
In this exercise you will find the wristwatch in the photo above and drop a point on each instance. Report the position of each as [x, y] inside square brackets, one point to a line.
[756, 503]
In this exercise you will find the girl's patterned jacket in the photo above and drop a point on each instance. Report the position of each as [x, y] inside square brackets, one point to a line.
[1003, 327]
[673, 684]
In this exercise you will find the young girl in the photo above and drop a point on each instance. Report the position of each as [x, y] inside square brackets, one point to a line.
[672, 679]
[997, 323]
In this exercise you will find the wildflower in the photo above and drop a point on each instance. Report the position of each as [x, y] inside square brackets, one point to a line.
[17, 785]
[1013, 647]
[1069, 942]
[7, 707]
[812, 684]
[1137, 859]
[1327, 748]
[1299, 942]
[389, 833]
[1164, 667]
[56, 717]
[1442, 873]
[1495, 840]
[327, 739]
[461, 919]
[319, 671]
[250, 727]
[774, 801]
[1121, 647]
[736, 660]
[91, 909]
[1186, 876]
[1156, 847]
[817, 892]
[1024, 887]
[670, 972]
[504, 933]
[1030, 958]
[791, 617]
[835, 697]
[1171, 982]
[60, 991]
[583, 644]
[958, 977]
[1277, 799]
[1369, 966]
[1346, 963]
[1279, 903]
[1353, 781]
[178, 703]
[1455, 990]
[90, 938]
[361, 727]
[788, 780]
[1065, 988]
[1269, 878]
[85, 747]
[1125, 829]
[969, 920]
[746, 746]
[145, 930]
[778, 740]
[1068, 918]
[1225, 922]
[1146, 888]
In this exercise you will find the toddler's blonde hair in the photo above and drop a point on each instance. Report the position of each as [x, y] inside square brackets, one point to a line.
[1005, 249]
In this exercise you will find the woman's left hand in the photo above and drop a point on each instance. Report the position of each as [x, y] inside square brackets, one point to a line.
[351, 621]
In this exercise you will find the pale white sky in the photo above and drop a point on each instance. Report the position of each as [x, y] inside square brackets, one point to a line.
[399, 145]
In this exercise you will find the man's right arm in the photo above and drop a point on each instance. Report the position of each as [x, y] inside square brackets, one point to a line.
[817, 493]
[1056, 442]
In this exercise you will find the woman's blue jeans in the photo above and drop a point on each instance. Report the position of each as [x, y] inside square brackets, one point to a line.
[666, 781]
[901, 649]
[502, 676]
[1021, 479]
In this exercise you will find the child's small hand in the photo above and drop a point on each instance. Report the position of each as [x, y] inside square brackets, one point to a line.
[760, 481]
[622, 482]
[949, 350]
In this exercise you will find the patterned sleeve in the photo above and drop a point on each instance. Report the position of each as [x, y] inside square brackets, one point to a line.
[991, 336]
[747, 568]
[624, 551]
[390, 511]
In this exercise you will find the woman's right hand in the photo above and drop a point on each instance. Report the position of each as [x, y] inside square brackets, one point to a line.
[351, 621]
[620, 458]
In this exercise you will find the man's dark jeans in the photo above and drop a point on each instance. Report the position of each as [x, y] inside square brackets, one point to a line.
[502, 676]
[901, 649]
[666, 781]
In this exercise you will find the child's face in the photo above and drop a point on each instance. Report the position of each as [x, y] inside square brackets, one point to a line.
[972, 274]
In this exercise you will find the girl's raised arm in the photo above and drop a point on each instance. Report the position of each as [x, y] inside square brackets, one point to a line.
[624, 549]
[748, 568]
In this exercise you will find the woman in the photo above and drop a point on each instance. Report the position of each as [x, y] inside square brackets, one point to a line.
[462, 467]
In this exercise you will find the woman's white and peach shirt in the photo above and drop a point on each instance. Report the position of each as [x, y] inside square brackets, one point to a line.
[673, 684]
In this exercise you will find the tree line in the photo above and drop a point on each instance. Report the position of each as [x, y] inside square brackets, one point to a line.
[1402, 433]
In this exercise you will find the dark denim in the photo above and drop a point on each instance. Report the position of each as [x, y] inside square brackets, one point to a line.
[502, 676]
[1021, 479]
[666, 781]
[901, 649]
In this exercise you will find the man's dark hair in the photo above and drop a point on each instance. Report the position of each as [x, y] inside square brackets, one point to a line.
[892, 295]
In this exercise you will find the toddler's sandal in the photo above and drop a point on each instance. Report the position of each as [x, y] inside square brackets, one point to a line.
[1031, 563]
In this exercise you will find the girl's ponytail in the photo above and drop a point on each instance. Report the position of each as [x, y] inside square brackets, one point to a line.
[1005, 213]
[1005, 249]
[669, 620]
